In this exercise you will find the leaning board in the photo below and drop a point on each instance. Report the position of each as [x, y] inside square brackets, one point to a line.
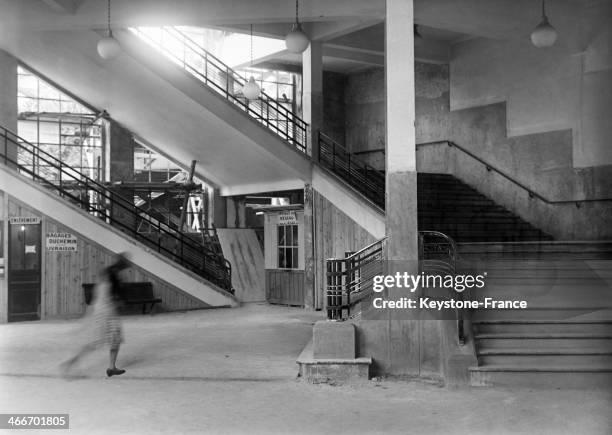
[241, 247]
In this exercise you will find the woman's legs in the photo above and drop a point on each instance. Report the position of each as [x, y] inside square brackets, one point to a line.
[112, 368]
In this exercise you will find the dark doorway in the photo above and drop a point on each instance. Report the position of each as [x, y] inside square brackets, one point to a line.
[24, 272]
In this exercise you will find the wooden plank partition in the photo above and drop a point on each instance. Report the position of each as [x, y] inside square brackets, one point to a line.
[335, 235]
[285, 287]
[63, 272]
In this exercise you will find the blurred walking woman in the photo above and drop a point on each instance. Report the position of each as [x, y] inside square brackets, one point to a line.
[105, 325]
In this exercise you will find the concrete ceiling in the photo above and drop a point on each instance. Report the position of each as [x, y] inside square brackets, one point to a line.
[353, 30]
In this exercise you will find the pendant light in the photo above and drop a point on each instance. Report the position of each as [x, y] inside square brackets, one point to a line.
[544, 35]
[108, 47]
[251, 90]
[296, 41]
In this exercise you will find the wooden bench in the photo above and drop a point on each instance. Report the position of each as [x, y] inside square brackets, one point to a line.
[134, 293]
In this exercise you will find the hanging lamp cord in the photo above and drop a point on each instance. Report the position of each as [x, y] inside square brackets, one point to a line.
[251, 46]
[110, 32]
[297, 21]
[543, 9]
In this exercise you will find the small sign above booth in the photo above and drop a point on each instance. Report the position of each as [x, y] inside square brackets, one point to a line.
[287, 217]
[24, 220]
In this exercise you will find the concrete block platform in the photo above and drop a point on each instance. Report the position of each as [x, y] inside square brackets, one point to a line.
[333, 371]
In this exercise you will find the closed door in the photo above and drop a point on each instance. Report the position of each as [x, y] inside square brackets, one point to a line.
[24, 272]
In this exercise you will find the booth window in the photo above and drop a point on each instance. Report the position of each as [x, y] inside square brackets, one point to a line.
[288, 247]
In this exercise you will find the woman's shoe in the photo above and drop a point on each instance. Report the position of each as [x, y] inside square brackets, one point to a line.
[115, 371]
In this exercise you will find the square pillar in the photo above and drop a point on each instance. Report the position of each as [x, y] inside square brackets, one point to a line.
[8, 98]
[312, 96]
[401, 180]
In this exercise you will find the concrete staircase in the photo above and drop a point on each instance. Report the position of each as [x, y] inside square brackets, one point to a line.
[448, 205]
[564, 338]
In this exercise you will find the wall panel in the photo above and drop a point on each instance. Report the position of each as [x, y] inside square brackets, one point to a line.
[335, 234]
[63, 273]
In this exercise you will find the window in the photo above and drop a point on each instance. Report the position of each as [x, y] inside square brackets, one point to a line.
[288, 247]
[57, 125]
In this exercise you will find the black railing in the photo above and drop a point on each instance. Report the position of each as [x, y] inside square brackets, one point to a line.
[350, 280]
[491, 168]
[211, 71]
[98, 200]
[368, 181]
[438, 256]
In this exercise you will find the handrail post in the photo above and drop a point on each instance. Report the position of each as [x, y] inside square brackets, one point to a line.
[5, 147]
[349, 168]
[334, 155]
[206, 67]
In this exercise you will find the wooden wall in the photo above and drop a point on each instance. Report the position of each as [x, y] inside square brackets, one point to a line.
[64, 272]
[285, 287]
[335, 234]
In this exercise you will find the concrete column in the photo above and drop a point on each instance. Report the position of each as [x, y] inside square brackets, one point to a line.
[8, 98]
[401, 188]
[312, 97]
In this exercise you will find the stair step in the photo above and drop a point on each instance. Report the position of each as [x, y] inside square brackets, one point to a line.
[543, 327]
[590, 376]
[544, 341]
[542, 357]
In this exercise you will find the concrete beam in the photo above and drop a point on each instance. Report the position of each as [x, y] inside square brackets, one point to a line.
[273, 186]
[324, 31]
[354, 55]
[69, 6]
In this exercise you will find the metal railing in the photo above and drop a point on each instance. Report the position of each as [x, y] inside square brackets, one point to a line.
[219, 77]
[370, 182]
[438, 256]
[491, 168]
[364, 178]
[100, 201]
[350, 280]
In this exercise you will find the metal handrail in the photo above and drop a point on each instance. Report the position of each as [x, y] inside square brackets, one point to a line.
[358, 174]
[107, 205]
[438, 255]
[349, 282]
[218, 76]
[530, 191]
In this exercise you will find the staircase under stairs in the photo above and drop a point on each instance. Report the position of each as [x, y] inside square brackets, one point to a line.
[564, 338]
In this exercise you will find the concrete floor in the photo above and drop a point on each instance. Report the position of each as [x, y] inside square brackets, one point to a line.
[233, 371]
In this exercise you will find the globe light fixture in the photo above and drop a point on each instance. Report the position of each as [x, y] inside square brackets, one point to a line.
[544, 35]
[108, 47]
[251, 90]
[296, 40]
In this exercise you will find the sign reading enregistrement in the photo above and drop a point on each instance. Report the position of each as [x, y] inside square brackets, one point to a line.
[24, 220]
[61, 242]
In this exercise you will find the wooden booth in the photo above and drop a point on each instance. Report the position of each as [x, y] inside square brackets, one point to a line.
[284, 254]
